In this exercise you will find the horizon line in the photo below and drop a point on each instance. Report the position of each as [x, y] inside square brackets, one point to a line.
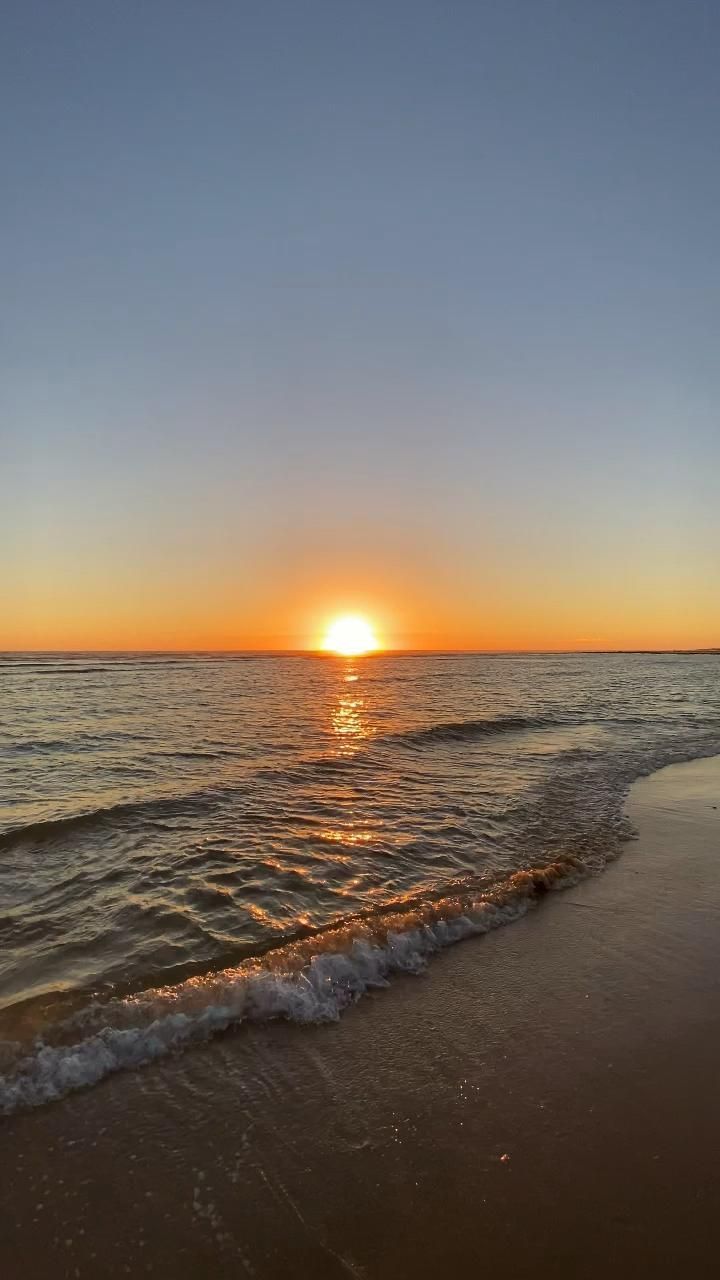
[373, 653]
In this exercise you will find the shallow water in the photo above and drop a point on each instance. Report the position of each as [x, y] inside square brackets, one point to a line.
[187, 841]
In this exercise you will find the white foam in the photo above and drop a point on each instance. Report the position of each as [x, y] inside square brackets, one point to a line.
[317, 993]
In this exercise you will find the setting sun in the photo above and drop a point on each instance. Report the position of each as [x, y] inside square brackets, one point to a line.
[350, 636]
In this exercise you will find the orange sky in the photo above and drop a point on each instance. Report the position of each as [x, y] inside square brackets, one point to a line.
[286, 596]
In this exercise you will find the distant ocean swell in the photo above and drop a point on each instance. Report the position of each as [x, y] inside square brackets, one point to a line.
[467, 730]
[195, 800]
[308, 981]
[158, 807]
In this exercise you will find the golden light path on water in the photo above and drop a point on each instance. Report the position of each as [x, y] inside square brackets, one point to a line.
[350, 728]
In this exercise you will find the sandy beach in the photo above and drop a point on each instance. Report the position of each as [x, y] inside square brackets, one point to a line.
[542, 1101]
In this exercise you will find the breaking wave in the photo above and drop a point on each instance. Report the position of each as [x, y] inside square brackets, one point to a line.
[308, 981]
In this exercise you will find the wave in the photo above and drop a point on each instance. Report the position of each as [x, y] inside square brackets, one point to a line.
[197, 799]
[99, 663]
[78, 741]
[51, 668]
[307, 981]
[464, 730]
[37, 744]
[152, 806]
[314, 977]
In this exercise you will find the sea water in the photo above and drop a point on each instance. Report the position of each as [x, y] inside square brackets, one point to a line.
[188, 841]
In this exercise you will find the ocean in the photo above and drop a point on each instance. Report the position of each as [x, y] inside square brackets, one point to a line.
[189, 841]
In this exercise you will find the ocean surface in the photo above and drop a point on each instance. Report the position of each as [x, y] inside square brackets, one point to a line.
[191, 841]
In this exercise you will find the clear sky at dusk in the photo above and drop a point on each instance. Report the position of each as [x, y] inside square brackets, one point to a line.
[409, 308]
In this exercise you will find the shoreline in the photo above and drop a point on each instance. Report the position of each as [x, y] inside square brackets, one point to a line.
[543, 1099]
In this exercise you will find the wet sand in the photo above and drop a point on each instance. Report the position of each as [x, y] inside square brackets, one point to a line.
[542, 1102]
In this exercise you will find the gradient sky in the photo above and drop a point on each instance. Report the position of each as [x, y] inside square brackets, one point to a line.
[411, 308]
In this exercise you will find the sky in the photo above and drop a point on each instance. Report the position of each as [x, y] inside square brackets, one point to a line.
[404, 308]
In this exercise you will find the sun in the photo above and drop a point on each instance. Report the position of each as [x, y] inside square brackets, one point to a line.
[350, 636]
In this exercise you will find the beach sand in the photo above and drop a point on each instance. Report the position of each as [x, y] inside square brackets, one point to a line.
[542, 1102]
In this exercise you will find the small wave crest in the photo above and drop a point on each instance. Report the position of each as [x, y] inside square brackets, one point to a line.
[67, 824]
[464, 730]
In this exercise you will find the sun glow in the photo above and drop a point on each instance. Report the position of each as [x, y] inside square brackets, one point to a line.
[350, 636]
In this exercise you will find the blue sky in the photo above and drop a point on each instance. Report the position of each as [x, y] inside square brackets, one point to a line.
[411, 306]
